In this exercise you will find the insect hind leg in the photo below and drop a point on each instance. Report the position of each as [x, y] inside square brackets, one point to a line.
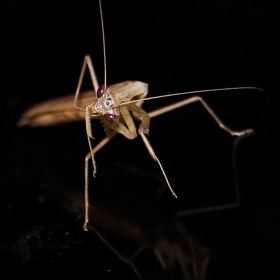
[187, 101]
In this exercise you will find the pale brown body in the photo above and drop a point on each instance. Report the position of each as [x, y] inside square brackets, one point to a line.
[60, 111]
[128, 97]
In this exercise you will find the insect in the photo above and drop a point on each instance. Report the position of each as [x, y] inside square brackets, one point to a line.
[154, 235]
[116, 107]
[112, 105]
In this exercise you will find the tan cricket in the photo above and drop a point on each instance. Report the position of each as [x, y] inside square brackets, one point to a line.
[116, 106]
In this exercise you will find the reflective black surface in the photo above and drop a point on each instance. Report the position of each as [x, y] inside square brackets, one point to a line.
[175, 46]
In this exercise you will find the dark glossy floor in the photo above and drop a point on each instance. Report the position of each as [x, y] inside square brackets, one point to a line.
[175, 46]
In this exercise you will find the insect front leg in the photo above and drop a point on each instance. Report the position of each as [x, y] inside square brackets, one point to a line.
[142, 116]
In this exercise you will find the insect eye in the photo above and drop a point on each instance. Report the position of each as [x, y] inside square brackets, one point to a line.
[101, 90]
[112, 117]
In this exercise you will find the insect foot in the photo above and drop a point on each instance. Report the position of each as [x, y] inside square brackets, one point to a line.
[245, 132]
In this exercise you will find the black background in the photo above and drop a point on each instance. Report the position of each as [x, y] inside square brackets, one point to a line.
[175, 46]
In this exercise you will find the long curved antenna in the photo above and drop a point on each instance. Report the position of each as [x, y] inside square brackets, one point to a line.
[103, 38]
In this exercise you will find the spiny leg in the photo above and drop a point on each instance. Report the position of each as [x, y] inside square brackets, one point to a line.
[182, 103]
[86, 63]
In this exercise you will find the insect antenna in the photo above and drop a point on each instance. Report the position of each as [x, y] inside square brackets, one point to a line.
[190, 92]
[104, 46]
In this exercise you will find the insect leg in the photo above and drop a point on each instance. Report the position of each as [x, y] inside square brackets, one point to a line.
[143, 129]
[153, 155]
[87, 63]
[90, 155]
[209, 110]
